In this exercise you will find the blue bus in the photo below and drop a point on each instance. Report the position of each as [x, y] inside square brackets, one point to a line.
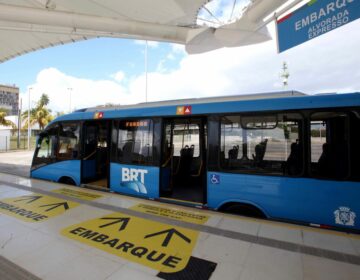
[283, 156]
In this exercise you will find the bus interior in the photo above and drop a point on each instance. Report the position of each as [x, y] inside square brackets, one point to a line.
[184, 159]
[96, 153]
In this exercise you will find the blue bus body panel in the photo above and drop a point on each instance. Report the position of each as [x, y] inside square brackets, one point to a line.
[136, 180]
[89, 168]
[303, 199]
[285, 103]
[54, 171]
[325, 202]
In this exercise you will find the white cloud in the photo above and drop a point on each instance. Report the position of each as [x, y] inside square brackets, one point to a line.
[170, 56]
[326, 64]
[178, 49]
[119, 76]
[84, 93]
[177, 52]
[161, 68]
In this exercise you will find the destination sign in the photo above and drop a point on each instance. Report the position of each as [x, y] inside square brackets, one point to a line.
[315, 19]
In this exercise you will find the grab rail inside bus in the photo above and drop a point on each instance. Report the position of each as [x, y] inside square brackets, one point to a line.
[90, 155]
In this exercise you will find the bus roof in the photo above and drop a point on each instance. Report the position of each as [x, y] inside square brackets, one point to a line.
[290, 100]
[203, 100]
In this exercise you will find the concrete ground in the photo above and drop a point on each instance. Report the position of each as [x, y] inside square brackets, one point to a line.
[16, 162]
[225, 246]
[53, 231]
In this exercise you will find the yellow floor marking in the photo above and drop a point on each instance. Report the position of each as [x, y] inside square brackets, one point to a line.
[180, 215]
[160, 246]
[35, 207]
[78, 194]
[170, 199]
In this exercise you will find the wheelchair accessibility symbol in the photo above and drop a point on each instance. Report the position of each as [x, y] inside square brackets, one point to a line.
[215, 179]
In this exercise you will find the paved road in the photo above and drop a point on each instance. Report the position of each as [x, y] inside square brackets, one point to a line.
[17, 163]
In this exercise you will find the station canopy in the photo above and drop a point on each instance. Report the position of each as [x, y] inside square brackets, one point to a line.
[29, 25]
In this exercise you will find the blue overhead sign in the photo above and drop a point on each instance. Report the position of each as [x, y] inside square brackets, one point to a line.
[314, 19]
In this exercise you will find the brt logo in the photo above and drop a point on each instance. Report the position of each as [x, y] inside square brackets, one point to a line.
[132, 174]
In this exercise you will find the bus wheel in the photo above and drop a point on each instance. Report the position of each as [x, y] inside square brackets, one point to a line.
[243, 209]
[67, 181]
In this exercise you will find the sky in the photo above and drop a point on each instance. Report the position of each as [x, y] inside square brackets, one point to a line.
[101, 71]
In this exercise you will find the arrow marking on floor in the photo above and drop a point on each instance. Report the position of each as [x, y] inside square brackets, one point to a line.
[122, 220]
[169, 234]
[31, 198]
[55, 205]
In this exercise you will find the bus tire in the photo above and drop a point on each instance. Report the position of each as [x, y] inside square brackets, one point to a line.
[67, 181]
[243, 209]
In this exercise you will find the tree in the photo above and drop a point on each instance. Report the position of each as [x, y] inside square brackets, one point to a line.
[44, 100]
[40, 114]
[3, 120]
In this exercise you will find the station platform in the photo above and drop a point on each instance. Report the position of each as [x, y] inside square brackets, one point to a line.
[55, 231]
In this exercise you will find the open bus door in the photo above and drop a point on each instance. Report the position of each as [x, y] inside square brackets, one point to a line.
[183, 163]
[96, 153]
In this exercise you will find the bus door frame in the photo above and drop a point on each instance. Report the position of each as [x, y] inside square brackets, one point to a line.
[109, 124]
[202, 120]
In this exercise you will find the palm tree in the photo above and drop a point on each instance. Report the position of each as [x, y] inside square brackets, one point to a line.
[40, 114]
[44, 100]
[3, 121]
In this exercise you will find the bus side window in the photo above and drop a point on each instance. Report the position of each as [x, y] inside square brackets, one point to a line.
[47, 144]
[330, 145]
[354, 144]
[68, 141]
[262, 144]
[47, 147]
[135, 142]
[44, 146]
